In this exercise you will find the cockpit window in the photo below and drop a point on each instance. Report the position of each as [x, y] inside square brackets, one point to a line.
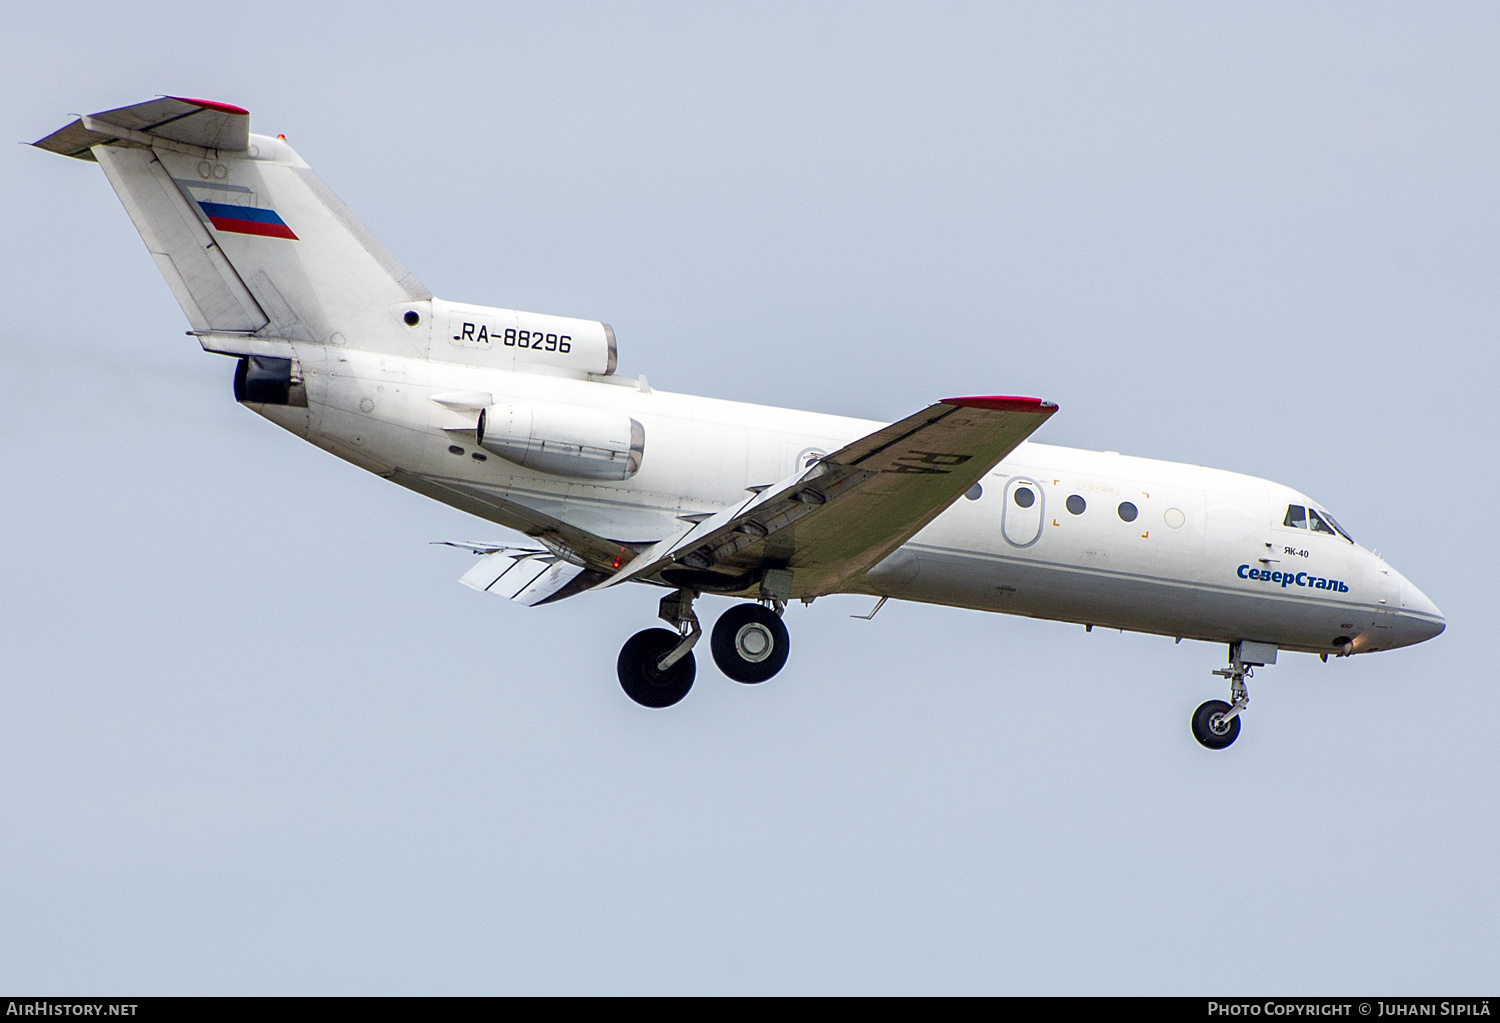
[1330, 520]
[1300, 517]
[1317, 525]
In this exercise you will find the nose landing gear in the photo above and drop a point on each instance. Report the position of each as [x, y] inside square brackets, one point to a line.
[1212, 725]
[1216, 724]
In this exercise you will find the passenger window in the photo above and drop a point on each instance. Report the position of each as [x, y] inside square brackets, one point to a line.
[1024, 497]
[1318, 525]
[1296, 517]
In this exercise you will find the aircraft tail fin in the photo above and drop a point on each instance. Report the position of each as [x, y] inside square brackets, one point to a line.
[250, 240]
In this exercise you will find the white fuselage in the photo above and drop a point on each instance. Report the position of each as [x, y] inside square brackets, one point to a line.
[517, 417]
[1207, 555]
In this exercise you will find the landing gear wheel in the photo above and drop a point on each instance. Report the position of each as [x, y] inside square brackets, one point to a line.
[1210, 729]
[642, 680]
[749, 643]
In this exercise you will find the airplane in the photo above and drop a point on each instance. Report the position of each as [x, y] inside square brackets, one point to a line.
[520, 419]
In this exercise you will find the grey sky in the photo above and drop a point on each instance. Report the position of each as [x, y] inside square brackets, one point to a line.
[254, 738]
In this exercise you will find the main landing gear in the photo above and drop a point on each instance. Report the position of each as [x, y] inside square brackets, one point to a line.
[656, 666]
[749, 643]
[1216, 724]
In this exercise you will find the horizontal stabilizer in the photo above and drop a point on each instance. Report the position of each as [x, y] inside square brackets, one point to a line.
[201, 123]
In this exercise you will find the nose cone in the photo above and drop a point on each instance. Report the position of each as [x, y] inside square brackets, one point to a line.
[1419, 619]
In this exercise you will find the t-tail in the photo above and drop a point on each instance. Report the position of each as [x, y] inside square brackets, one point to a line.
[250, 240]
[265, 260]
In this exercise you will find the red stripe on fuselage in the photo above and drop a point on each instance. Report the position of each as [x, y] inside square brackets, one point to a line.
[253, 227]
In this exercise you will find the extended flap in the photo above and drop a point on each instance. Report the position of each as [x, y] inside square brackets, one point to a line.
[528, 577]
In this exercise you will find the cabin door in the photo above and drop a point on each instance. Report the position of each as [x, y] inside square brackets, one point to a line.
[1023, 513]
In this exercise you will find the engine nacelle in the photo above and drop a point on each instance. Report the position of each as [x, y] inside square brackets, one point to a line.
[564, 440]
[265, 380]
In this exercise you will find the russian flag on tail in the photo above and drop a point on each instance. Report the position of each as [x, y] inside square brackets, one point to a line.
[246, 220]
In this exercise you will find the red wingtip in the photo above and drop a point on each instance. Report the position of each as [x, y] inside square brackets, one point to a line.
[1004, 403]
[227, 108]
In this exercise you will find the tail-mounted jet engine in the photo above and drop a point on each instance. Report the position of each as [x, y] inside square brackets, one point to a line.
[564, 440]
[267, 380]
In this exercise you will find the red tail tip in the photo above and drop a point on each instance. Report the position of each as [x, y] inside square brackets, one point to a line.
[208, 104]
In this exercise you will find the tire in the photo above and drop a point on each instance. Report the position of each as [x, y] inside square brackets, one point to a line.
[749, 643]
[1203, 729]
[642, 681]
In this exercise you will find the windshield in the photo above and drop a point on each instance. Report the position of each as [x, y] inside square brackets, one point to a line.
[1334, 523]
[1307, 517]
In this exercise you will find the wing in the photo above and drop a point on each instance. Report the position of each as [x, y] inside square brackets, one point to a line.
[819, 528]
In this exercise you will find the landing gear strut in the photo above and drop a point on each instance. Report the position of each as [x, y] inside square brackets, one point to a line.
[750, 643]
[656, 666]
[1216, 724]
